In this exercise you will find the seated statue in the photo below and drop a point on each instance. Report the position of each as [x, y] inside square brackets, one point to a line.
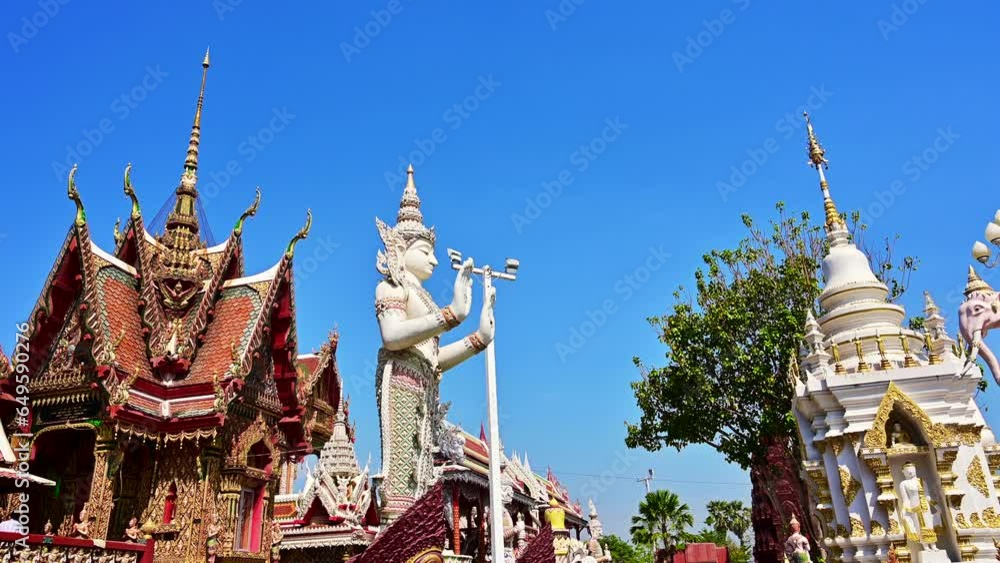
[797, 545]
[899, 437]
[81, 529]
[918, 522]
[133, 534]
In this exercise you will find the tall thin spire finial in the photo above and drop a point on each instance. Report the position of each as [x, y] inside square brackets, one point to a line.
[191, 163]
[817, 159]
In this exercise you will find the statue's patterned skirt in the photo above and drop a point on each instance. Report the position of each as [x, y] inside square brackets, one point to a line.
[407, 393]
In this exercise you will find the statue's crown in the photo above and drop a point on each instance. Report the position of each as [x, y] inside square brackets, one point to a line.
[410, 220]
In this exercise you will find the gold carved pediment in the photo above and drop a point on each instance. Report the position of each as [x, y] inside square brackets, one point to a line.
[937, 434]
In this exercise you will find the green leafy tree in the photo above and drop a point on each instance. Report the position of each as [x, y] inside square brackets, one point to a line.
[731, 347]
[621, 550]
[662, 519]
[729, 516]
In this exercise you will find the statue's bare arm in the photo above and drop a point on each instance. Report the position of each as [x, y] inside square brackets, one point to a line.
[457, 352]
[399, 332]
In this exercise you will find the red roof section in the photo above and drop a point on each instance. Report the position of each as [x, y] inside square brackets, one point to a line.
[234, 317]
[121, 312]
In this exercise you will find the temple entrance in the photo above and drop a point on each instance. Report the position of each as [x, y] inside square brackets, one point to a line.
[131, 484]
[65, 456]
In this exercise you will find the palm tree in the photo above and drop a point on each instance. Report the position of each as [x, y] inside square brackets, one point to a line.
[662, 517]
[729, 516]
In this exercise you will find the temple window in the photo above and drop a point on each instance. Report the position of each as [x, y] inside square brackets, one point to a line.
[249, 520]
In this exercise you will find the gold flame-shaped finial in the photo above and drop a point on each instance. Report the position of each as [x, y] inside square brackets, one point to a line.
[817, 159]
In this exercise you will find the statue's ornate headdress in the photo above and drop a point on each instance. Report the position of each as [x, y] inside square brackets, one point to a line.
[409, 228]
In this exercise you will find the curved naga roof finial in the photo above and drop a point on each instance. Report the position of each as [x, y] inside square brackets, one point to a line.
[119, 237]
[303, 233]
[250, 212]
[130, 191]
[74, 194]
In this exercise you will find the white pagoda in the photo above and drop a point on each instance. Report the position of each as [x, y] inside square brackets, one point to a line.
[898, 457]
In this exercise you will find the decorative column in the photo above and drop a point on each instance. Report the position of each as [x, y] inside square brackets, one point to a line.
[209, 462]
[889, 528]
[456, 517]
[229, 499]
[107, 461]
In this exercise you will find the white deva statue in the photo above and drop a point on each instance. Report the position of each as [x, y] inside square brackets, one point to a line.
[412, 358]
[916, 511]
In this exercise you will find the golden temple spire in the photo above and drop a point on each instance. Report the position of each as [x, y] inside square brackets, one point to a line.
[191, 163]
[184, 214]
[817, 159]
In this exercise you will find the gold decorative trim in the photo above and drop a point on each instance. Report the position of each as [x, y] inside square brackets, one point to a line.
[838, 446]
[877, 529]
[991, 518]
[976, 477]
[937, 434]
[857, 528]
[849, 486]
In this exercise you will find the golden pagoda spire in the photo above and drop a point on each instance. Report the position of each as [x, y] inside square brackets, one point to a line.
[817, 159]
[184, 214]
[191, 163]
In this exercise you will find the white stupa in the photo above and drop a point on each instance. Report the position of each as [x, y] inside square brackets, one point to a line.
[896, 452]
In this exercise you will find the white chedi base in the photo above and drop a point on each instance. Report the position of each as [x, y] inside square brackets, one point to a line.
[927, 556]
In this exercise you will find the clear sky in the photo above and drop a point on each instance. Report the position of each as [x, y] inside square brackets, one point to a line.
[588, 139]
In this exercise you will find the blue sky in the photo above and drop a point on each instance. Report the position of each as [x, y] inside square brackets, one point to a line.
[588, 139]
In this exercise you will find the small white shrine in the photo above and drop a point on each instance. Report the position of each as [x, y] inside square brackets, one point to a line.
[899, 460]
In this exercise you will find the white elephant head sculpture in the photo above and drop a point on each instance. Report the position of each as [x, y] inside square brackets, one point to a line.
[977, 316]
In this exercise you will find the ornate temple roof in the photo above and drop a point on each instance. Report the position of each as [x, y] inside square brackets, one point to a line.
[172, 329]
[336, 505]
